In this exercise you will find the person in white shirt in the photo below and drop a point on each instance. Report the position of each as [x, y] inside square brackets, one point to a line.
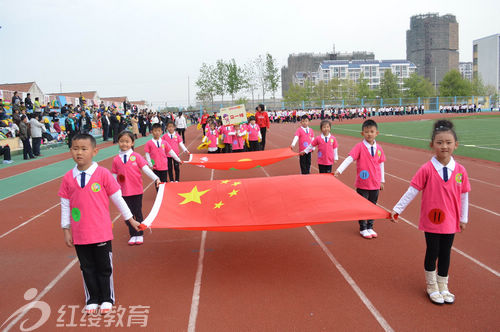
[181, 125]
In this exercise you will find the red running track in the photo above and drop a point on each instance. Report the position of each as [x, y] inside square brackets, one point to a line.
[305, 279]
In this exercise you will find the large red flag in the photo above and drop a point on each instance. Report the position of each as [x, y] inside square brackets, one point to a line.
[244, 160]
[258, 204]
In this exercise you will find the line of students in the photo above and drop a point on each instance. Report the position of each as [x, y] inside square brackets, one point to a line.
[233, 137]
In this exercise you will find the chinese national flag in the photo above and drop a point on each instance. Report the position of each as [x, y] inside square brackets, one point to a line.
[258, 204]
[238, 161]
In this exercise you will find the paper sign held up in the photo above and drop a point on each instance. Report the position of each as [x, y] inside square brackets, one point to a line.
[233, 115]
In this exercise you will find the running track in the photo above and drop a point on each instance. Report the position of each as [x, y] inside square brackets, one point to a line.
[321, 278]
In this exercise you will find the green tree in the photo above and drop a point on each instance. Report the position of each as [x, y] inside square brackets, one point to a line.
[235, 78]
[363, 88]
[477, 86]
[206, 84]
[453, 84]
[272, 75]
[221, 76]
[295, 95]
[389, 86]
[260, 72]
[322, 91]
[241, 101]
[418, 86]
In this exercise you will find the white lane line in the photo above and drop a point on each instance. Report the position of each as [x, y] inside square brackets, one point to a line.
[195, 300]
[484, 266]
[28, 221]
[369, 305]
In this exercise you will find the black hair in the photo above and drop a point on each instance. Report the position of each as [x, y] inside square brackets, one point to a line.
[325, 122]
[369, 123]
[304, 117]
[251, 118]
[23, 117]
[170, 122]
[441, 126]
[126, 133]
[156, 125]
[89, 137]
[262, 107]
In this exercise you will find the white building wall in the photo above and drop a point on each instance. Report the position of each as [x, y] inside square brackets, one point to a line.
[488, 59]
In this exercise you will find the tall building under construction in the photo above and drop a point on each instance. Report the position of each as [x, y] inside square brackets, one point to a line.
[432, 45]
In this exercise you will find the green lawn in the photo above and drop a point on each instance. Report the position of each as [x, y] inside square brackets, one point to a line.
[479, 136]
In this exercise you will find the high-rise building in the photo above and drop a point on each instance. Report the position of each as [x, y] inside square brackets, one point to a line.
[486, 60]
[465, 69]
[309, 62]
[432, 45]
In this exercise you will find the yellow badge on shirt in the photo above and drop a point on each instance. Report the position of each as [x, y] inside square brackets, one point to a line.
[96, 187]
[132, 158]
[458, 178]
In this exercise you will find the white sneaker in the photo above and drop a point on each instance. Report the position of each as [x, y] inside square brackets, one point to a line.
[139, 240]
[365, 234]
[8, 161]
[106, 307]
[132, 240]
[372, 233]
[91, 308]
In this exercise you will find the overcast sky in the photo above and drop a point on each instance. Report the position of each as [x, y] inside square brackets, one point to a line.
[147, 49]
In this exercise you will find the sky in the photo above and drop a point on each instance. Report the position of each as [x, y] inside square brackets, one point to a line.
[147, 49]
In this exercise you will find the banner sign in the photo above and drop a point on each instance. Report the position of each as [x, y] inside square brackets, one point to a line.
[233, 115]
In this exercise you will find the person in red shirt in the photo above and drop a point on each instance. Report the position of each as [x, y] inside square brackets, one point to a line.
[262, 120]
[203, 121]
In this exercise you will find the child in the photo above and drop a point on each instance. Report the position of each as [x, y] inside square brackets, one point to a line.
[85, 191]
[304, 135]
[239, 138]
[156, 153]
[370, 177]
[212, 136]
[254, 135]
[126, 168]
[229, 133]
[327, 148]
[445, 203]
[174, 139]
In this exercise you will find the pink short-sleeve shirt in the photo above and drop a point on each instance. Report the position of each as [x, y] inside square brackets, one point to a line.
[89, 206]
[441, 201]
[368, 173]
[129, 175]
[158, 154]
[306, 136]
[253, 132]
[325, 149]
[173, 140]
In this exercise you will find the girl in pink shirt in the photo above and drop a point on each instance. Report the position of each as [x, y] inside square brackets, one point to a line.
[229, 135]
[327, 148]
[126, 169]
[174, 139]
[254, 134]
[304, 135]
[239, 138]
[212, 135]
[444, 209]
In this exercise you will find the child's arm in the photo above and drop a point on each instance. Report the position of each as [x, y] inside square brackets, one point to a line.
[336, 154]
[183, 147]
[148, 159]
[65, 222]
[243, 133]
[124, 209]
[150, 175]
[382, 174]
[295, 139]
[204, 139]
[344, 165]
[464, 211]
[175, 156]
[410, 194]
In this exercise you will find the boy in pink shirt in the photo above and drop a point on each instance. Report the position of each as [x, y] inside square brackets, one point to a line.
[174, 139]
[444, 209]
[304, 135]
[370, 176]
[229, 135]
[327, 148]
[254, 134]
[85, 192]
[156, 153]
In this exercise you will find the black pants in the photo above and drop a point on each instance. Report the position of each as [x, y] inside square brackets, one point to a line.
[181, 132]
[27, 152]
[254, 146]
[263, 142]
[96, 263]
[135, 205]
[203, 127]
[173, 165]
[438, 248]
[70, 138]
[305, 163]
[372, 196]
[105, 133]
[37, 141]
[115, 133]
[5, 151]
[227, 148]
[325, 168]
[162, 175]
[238, 150]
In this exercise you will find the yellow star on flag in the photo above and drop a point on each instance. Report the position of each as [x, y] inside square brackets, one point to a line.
[192, 196]
[236, 183]
[224, 181]
[218, 205]
[232, 193]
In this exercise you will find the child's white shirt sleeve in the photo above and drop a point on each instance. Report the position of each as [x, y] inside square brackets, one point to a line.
[335, 154]
[406, 199]
[295, 139]
[174, 155]
[347, 161]
[382, 172]
[121, 205]
[149, 173]
[464, 210]
[148, 159]
[65, 213]
[183, 147]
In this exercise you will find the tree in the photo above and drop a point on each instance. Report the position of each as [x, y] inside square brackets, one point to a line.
[322, 91]
[453, 84]
[250, 79]
[235, 78]
[272, 75]
[295, 95]
[260, 67]
[418, 86]
[363, 88]
[206, 84]
[221, 76]
[389, 86]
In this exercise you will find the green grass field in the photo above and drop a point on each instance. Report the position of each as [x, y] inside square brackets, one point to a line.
[479, 136]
